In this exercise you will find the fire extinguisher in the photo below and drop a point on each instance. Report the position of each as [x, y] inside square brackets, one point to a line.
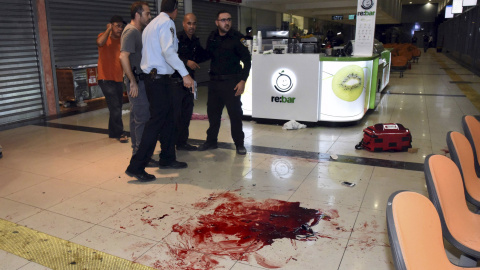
[92, 76]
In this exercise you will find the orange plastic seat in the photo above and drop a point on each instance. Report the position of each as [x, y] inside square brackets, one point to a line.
[399, 63]
[416, 54]
[471, 129]
[406, 53]
[462, 154]
[415, 233]
[460, 226]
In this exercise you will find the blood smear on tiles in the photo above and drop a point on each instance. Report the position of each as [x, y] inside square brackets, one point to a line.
[238, 225]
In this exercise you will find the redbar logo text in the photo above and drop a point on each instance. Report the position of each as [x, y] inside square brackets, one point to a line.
[283, 99]
[366, 13]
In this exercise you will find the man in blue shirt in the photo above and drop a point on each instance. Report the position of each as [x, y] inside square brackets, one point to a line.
[159, 62]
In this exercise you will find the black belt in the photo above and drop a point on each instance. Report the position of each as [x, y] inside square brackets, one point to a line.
[144, 76]
[224, 77]
[158, 76]
[176, 80]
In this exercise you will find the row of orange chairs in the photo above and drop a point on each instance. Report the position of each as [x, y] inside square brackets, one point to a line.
[403, 55]
[417, 225]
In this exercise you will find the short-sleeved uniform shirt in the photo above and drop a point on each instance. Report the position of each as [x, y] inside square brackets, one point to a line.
[160, 46]
[109, 66]
[132, 42]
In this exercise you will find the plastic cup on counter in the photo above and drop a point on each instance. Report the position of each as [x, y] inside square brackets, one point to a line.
[259, 41]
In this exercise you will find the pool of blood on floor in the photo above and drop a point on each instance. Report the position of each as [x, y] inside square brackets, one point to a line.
[239, 225]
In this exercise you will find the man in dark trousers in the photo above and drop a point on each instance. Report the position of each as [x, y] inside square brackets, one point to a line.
[159, 62]
[110, 76]
[130, 57]
[227, 48]
[425, 43]
[191, 53]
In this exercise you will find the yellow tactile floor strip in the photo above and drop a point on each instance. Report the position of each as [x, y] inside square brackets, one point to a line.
[467, 90]
[56, 253]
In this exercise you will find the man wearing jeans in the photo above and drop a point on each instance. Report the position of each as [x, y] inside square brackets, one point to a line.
[110, 75]
[130, 57]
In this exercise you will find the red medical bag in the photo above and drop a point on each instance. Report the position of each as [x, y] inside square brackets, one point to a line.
[385, 137]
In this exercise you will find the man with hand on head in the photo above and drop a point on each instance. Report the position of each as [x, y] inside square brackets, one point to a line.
[130, 57]
[110, 76]
[191, 53]
[159, 62]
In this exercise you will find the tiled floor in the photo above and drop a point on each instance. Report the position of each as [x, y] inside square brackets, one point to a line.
[71, 184]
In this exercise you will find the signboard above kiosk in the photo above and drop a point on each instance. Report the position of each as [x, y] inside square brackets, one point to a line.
[457, 6]
[469, 3]
[448, 12]
[365, 27]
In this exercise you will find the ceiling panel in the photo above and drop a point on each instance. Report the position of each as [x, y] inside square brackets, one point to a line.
[324, 9]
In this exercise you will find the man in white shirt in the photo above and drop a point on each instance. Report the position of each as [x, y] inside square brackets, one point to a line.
[159, 62]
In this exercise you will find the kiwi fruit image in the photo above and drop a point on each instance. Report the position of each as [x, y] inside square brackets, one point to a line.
[348, 83]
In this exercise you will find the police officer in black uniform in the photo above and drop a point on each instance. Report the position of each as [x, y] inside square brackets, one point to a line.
[227, 48]
[191, 53]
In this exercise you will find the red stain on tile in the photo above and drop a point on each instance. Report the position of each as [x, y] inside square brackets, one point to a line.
[366, 235]
[140, 245]
[157, 264]
[264, 262]
[149, 221]
[176, 186]
[334, 213]
[209, 201]
[239, 225]
[121, 227]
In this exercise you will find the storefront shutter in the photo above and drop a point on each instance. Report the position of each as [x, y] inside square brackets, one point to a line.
[20, 81]
[75, 24]
[206, 13]
[181, 14]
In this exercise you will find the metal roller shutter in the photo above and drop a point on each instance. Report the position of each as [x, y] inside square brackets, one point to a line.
[206, 13]
[75, 24]
[20, 81]
[181, 14]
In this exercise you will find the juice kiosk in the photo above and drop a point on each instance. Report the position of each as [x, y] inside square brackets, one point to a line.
[314, 87]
